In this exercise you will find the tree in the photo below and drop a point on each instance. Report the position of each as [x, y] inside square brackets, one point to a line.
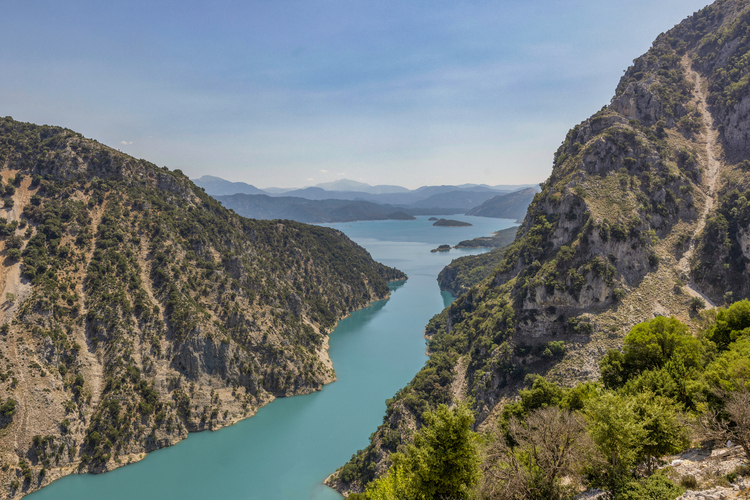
[734, 424]
[443, 462]
[696, 304]
[615, 428]
[630, 431]
[551, 444]
[650, 346]
[731, 324]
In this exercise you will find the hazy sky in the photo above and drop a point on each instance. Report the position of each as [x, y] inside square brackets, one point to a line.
[292, 93]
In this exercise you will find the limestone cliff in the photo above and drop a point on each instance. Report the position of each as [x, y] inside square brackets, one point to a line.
[137, 309]
[638, 218]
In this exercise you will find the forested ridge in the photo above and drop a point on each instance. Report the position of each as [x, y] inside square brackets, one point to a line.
[137, 308]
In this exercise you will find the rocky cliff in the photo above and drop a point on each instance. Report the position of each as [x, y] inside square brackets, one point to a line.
[136, 308]
[645, 213]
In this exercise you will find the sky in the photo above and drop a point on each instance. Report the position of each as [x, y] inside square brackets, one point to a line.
[290, 93]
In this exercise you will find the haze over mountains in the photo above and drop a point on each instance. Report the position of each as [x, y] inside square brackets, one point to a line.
[325, 202]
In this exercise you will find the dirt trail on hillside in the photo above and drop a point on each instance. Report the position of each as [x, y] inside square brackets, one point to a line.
[93, 371]
[709, 139]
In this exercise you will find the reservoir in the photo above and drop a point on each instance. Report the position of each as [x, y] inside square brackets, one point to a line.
[292, 444]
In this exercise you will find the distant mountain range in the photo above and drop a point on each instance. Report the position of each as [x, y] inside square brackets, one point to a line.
[346, 200]
[348, 185]
[261, 206]
[216, 186]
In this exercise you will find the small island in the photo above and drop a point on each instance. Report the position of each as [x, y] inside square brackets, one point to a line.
[451, 223]
[442, 248]
[401, 216]
[433, 218]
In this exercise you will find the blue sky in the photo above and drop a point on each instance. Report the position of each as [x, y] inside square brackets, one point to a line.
[292, 93]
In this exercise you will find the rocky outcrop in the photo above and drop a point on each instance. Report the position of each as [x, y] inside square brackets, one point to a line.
[638, 102]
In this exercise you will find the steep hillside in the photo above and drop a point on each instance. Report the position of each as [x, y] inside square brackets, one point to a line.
[636, 218]
[136, 308]
[505, 206]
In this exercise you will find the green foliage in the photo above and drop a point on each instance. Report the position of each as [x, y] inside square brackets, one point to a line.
[443, 462]
[470, 270]
[656, 487]
[650, 346]
[7, 410]
[629, 430]
[541, 395]
[730, 366]
[730, 324]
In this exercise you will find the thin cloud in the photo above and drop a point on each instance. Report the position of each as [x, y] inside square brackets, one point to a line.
[125, 143]
[324, 171]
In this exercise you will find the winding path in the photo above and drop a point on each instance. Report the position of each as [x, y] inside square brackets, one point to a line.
[709, 138]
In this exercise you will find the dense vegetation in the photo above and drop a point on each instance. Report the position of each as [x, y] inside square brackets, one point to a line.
[465, 272]
[664, 391]
[152, 307]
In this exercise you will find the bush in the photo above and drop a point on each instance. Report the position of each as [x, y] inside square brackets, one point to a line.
[8, 408]
[689, 482]
[651, 345]
[696, 304]
[13, 254]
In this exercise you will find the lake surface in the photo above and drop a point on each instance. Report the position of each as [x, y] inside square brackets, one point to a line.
[292, 444]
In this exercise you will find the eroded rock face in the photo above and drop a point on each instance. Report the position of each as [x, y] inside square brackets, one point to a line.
[736, 131]
[638, 102]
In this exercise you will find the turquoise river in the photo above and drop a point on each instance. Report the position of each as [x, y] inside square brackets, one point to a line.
[287, 449]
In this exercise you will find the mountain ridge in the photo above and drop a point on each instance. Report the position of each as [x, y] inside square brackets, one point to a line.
[643, 215]
[137, 308]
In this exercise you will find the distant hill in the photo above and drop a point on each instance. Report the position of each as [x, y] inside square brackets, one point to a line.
[303, 210]
[425, 200]
[349, 185]
[216, 186]
[505, 206]
[456, 199]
